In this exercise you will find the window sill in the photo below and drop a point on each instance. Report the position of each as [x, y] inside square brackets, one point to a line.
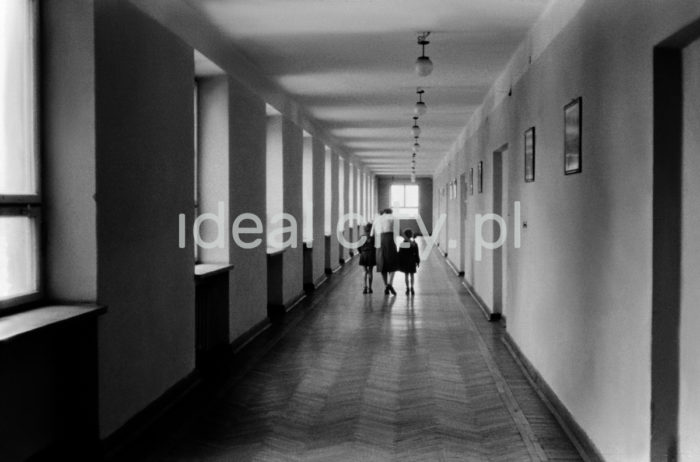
[17, 325]
[273, 251]
[205, 270]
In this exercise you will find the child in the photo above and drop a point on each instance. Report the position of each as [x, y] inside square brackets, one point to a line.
[409, 259]
[368, 259]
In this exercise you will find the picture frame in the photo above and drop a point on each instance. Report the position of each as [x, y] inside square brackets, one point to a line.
[572, 137]
[480, 177]
[471, 181]
[529, 154]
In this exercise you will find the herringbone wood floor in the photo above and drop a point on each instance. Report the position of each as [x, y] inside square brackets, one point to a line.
[373, 378]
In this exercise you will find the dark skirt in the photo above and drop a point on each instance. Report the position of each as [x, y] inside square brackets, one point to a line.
[387, 255]
[368, 256]
[407, 260]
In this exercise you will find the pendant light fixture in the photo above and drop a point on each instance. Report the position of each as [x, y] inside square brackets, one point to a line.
[424, 66]
[420, 108]
[416, 145]
[415, 129]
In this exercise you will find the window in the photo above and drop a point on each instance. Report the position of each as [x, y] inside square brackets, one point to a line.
[308, 189]
[195, 105]
[404, 200]
[19, 180]
[274, 178]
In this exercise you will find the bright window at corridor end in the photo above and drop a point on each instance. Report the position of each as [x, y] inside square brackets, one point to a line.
[404, 200]
[19, 184]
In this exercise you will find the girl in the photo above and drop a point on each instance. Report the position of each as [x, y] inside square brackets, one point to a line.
[409, 259]
[368, 259]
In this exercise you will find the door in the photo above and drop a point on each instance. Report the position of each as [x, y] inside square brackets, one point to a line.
[500, 208]
[463, 223]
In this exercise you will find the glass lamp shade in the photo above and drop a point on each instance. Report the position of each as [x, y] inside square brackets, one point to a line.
[415, 130]
[424, 66]
[416, 146]
[420, 108]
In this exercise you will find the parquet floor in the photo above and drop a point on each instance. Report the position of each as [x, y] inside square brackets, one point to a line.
[371, 378]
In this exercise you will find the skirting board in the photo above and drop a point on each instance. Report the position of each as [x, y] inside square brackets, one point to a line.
[276, 312]
[144, 420]
[248, 336]
[453, 267]
[589, 452]
[320, 281]
[490, 315]
[294, 302]
[310, 287]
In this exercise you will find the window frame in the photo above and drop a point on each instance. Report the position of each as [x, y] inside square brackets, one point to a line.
[197, 161]
[30, 205]
[400, 210]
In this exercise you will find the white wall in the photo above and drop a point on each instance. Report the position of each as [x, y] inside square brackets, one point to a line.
[689, 421]
[292, 146]
[579, 289]
[248, 280]
[68, 72]
[145, 178]
[335, 208]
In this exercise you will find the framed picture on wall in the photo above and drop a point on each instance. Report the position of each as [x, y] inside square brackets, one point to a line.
[471, 181]
[530, 155]
[480, 177]
[572, 137]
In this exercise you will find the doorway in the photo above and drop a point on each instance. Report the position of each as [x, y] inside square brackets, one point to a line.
[463, 223]
[500, 208]
[674, 378]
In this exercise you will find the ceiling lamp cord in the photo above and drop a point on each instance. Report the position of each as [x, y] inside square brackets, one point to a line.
[420, 108]
[424, 66]
[415, 130]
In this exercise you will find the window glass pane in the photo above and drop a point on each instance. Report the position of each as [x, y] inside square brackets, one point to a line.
[412, 195]
[406, 212]
[17, 151]
[397, 199]
[18, 272]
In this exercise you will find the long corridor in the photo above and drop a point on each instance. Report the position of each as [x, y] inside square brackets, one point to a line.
[372, 377]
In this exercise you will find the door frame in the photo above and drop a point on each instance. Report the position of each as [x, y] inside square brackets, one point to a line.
[666, 240]
[500, 254]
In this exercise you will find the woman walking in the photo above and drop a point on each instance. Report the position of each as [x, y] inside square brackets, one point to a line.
[387, 255]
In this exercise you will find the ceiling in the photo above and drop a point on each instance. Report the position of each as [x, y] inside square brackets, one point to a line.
[349, 63]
